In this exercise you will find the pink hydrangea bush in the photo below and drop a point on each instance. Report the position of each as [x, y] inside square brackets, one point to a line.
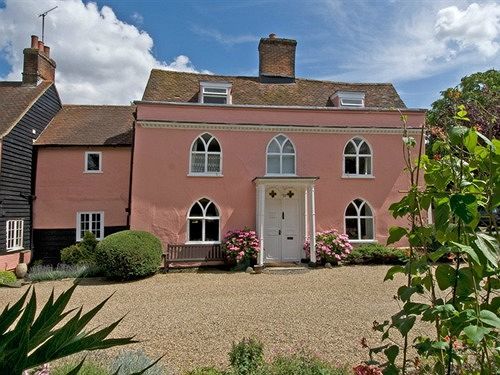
[241, 246]
[331, 246]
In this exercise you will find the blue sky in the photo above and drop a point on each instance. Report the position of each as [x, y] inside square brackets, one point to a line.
[105, 49]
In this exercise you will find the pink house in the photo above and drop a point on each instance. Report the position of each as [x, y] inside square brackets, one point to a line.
[284, 155]
[209, 153]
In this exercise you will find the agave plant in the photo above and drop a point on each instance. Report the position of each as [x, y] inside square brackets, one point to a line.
[34, 340]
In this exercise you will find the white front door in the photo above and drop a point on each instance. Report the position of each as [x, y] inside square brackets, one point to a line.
[282, 225]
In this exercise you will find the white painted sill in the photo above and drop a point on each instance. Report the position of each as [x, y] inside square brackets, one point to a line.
[205, 175]
[363, 241]
[92, 172]
[359, 176]
[14, 249]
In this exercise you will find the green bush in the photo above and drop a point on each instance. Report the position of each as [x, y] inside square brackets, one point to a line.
[129, 255]
[301, 364]
[377, 254]
[7, 277]
[246, 357]
[81, 253]
[88, 368]
[206, 371]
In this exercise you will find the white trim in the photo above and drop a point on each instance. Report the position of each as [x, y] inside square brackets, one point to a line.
[79, 223]
[203, 219]
[350, 95]
[215, 85]
[16, 242]
[333, 129]
[357, 155]
[281, 154]
[358, 218]
[206, 153]
[87, 153]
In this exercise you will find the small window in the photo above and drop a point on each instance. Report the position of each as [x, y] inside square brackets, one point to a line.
[357, 158]
[348, 99]
[203, 222]
[15, 234]
[89, 222]
[280, 156]
[359, 221]
[206, 156]
[215, 93]
[93, 162]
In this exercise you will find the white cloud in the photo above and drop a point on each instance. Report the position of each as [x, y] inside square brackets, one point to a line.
[100, 59]
[137, 17]
[223, 38]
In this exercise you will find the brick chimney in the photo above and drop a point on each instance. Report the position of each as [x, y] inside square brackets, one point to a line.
[37, 63]
[277, 59]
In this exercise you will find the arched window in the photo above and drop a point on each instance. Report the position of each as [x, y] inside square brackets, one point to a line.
[357, 158]
[359, 221]
[206, 155]
[280, 156]
[203, 222]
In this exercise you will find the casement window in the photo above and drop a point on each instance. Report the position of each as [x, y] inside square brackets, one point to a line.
[215, 93]
[89, 222]
[349, 99]
[206, 156]
[357, 158]
[280, 156]
[15, 234]
[359, 221]
[93, 162]
[203, 222]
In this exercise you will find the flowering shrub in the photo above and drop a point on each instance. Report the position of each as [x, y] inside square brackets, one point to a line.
[330, 246]
[241, 245]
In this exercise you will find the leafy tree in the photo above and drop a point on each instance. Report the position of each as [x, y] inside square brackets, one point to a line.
[479, 93]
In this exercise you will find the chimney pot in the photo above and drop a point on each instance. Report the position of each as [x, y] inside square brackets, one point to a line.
[34, 41]
[40, 46]
[46, 51]
[272, 36]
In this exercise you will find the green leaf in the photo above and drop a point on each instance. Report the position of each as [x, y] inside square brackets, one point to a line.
[392, 271]
[77, 369]
[440, 345]
[405, 292]
[435, 255]
[445, 276]
[470, 140]
[457, 134]
[403, 323]
[395, 234]
[391, 353]
[490, 318]
[488, 247]
[475, 333]
[464, 206]
[468, 250]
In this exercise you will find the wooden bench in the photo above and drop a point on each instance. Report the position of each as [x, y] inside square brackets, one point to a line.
[193, 255]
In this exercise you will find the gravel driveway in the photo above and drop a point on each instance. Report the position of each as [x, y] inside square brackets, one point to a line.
[194, 317]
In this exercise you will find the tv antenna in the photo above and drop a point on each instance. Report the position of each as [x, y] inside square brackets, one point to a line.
[43, 20]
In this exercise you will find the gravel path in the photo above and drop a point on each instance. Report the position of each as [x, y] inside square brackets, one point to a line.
[194, 317]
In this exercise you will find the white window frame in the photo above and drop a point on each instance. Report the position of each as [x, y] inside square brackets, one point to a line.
[87, 153]
[79, 224]
[206, 153]
[203, 219]
[345, 96]
[281, 154]
[357, 156]
[14, 234]
[358, 218]
[205, 88]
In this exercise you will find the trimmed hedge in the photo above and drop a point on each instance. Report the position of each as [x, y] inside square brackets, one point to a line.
[81, 253]
[129, 255]
[377, 254]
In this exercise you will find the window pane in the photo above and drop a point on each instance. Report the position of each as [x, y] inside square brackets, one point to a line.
[357, 141]
[288, 164]
[213, 163]
[350, 165]
[274, 147]
[367, 229]
[351, 211]
[365, 165]
[195, 226]
[350, 149]
[214, 99]
[288, 147]
[196, 210]
[212, 210]
[214, 146]
[212, 230]
[365, 210]
[351, 228]
[364, 149]
[198, 162]
[215, 90]
[199, 145]
[273, 164]
[281, 138]
[93, 162]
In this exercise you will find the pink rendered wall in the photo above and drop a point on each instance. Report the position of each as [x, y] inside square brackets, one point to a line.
[62, 188]
[9, 261]
[162, 193]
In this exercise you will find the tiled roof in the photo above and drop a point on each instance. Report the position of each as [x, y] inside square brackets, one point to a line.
[93, 125]
[164, 85]
[15, 100]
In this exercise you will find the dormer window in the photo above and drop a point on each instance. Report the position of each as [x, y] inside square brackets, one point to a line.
[215, 93]
[349, 99]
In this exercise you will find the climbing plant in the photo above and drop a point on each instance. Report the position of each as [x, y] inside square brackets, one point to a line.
[460, 189]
